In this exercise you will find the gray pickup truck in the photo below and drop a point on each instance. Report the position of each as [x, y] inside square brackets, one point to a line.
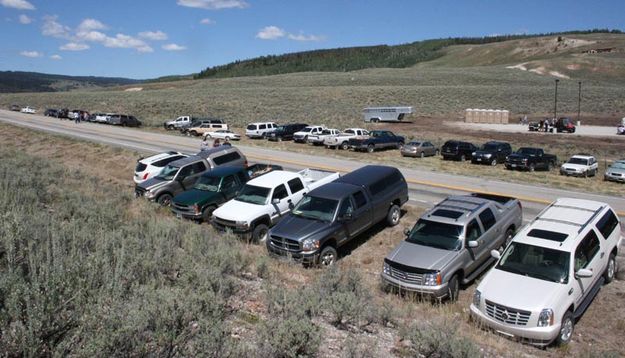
[335, 213]
[451, 243]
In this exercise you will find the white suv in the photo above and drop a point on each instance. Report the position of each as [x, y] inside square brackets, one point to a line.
[550, 272]
[580, 165]
[150, 166]
[260, 129]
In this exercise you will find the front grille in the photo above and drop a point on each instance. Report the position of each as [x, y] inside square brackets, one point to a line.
[139, 191]
[285, 244]
[225, 223]
[515, 161]
[183, 208]
[408, 277]
[506, 314]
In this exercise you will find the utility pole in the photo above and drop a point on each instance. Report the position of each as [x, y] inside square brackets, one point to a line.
[555, 102]
[579, 101]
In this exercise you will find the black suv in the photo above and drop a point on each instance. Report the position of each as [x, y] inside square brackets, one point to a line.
[285, 132]
[124, 120]
[491, 153]
[457, 150]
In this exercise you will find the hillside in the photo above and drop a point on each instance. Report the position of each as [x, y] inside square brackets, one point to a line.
[17, 81]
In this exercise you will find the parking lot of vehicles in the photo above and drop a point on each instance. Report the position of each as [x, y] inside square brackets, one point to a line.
[378, 139]
[491, 153]
[318, 139]
[333, 214]
[457, 150]
[450, 244]
[214, 188]
[615, 172]
[580, 165]
[550, 273]
[146, 168]
[265, 200]
[341, 140]
[419, 149]
[285, 132]
[301, 136]
[181, 175]
[530, 159]
[259, 129]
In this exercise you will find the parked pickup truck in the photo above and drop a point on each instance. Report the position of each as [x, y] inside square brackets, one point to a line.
[263, 201]
[530, 159]
[318, 139]
[178, 122]
[333, 214]
[302, 135]
[451, 243]
[341, 140]
[181, 175]
[214, 188]
[377, 140]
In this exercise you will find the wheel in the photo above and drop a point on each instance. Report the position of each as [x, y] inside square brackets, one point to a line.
[344, 146]
[208, 135]
[593, 172]
[260, 233]
[550, 166]
[422, 155]
[586, 174]
[328, 256]
[437, 152]
[453, 289]
[393, 215]
[462, 157]
[164, 199]
[493, 162]
[566, 329]
[506, 241]
[370, 148]
[279, 139]
[610, 271]
[305, 139]
[170, 127]
[532, 167]
[207, 213]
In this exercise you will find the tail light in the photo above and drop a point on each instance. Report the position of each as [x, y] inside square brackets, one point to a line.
[145, 176]
[246, 164]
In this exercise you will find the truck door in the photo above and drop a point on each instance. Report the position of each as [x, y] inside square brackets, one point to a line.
[297, 191]
[473, 233]
[229, 187]
[588, 255]
[361, 216]
[492, 238]
[282, 206]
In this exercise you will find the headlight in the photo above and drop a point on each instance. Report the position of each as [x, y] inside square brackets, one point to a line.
[524, 160]
[477, 298]
[473, 154]
[387, 269]
[432, 279]
[310, 245]
[196, 209]
[149, 194]
[241, 224]
[545, 318]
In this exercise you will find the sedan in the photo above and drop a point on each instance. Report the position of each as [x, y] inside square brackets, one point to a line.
[28, 110]
[419, 149]
[616, 172]
[222, 134]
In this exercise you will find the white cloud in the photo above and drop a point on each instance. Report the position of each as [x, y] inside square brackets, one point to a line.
[207, 21]
[270, 33]
[25, 20]
[214, 4]
[302, 37]
[90, 24]
[153, 35]
[52, 28]
[125, 41]
[94, 36]
[173, 47]
[73, 46]
[31, 54]
[56, 57]
[18, 4]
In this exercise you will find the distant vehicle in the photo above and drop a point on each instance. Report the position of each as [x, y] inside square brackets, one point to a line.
[15, 108]
[77, 113]
[28, 110]
[260, 129]
[205, 128]
[318, 139]
[63, 113]
[419, 149]
[377, 140]
[457, 150]
[527, 158]
[102, 117]
[564, 124]
[124, 120]
[222, 134]
[341, 140]
[580, 165]
[380, 114]
[616, 172]
[51, 112]
[285, 132]
[148, 167]
[178, 122]
[302, 135]
[491, 153]
[197, 122]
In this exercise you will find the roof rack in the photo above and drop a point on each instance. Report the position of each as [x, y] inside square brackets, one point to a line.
[582, 226]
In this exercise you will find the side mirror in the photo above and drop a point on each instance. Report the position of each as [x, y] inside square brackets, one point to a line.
[473, 244]
[583, 273]
[346, 217]
[495, 254]
[275, 201]
[407, 231]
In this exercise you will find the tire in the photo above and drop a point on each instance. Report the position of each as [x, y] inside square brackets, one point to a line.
[453, 289]
[259, 234]
[586, 174]
[437, 152]
[463, 158]
[422, 155]
[207, 213]
[279, 139]
[593, 173]
[493, 162]
[328, 256]
[566, 329]
[370, 148]
[164, 199]
[532, 167]
[344, 146]
[170, 127]
[393, 215]
[610, 271]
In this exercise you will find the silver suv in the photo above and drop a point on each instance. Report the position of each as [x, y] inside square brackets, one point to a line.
[451, 243]
[550, 272]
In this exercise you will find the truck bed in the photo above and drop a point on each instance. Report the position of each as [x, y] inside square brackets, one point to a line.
[316, 177]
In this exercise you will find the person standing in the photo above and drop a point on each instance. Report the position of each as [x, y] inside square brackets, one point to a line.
[204, 145]
[216, 143]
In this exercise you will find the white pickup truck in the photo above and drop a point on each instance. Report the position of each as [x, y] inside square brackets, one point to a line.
[318, 139]
[263, 201]
[302, 136]
[340, 140]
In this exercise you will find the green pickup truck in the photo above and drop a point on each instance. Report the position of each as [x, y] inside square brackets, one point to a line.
[215, 188]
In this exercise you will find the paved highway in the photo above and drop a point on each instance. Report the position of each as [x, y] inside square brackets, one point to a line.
[426, 187]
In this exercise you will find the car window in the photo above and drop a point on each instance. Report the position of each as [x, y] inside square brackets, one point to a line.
[347, 207]
[586, 250]
[198, 167]
[226, 158]
[607, 224]
[262, 126]
[242, 177]
[487, 218]
[360, 199]
[473, 231]
[185, 172]
[163, 162]
[280, 192]
[229, 182]
[295, 185]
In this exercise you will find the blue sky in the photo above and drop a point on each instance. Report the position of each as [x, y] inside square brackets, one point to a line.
[151, 38]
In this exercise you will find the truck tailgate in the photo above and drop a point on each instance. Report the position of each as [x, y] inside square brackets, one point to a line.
[315, 177]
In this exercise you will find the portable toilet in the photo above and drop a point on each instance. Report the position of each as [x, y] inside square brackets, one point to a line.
[468, 115]
[497, 116]
[505, 116]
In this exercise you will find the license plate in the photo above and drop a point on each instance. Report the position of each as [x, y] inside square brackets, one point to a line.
[479, 159]
[513, 165]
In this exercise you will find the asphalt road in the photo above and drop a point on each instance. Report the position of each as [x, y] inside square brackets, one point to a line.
[426, 187]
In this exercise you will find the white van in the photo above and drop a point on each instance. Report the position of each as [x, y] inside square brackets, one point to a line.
[260, 129]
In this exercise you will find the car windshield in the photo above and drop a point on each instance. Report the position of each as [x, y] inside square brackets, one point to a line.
[414, 144]
[578, 161]
[527, 151]
[435, 234]
[168, 173]
[306, 130]
[311, 207]
[534, 261]
[617, 166]
[207, 183]
[253, 195]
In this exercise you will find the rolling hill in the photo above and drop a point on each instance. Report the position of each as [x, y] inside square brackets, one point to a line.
[17, 81]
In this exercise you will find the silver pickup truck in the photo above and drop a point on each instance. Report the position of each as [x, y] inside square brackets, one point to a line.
[451, 243]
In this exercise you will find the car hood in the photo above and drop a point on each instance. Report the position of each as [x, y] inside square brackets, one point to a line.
[297, 228]
[423, 257]
[518, 156]
[153, 183]
[574, 166]
[521, 292]
[483, 152]
[616, 170]
[239, 211]
[195, 196]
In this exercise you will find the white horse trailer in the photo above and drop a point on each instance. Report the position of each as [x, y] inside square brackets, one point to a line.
[391, 114]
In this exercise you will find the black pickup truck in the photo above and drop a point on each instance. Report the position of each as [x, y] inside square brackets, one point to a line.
[377, 140]
[530, 159]
[333, 214]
